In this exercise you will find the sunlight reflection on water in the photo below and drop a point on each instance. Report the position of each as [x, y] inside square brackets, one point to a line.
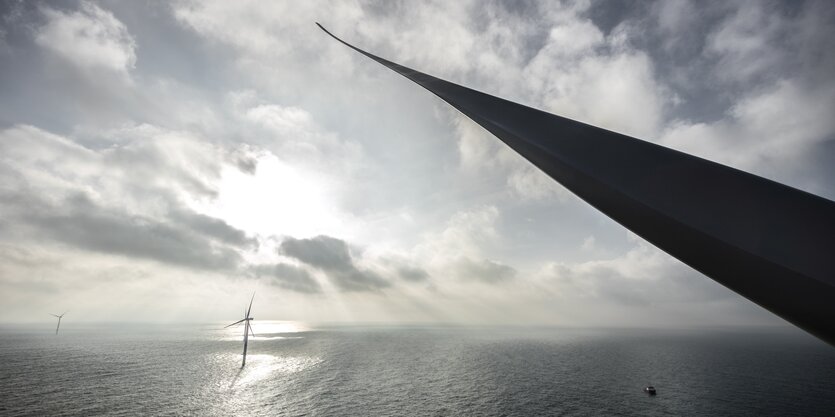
[266, 330]
[271, 358]
[260, 367]
[247, 386]
[413, 371]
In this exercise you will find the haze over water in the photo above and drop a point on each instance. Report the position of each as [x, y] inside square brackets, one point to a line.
[295, 369]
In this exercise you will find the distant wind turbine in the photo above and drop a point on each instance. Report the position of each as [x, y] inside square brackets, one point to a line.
[247, 327]
[59, 320]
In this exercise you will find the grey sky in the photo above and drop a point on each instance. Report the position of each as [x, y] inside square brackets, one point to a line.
[163, 160]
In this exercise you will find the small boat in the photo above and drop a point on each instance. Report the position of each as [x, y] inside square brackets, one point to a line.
[650, 390]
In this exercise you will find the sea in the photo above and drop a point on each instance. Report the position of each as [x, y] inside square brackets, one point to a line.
[298, 369]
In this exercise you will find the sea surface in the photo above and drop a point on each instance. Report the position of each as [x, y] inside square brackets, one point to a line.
[296, 369]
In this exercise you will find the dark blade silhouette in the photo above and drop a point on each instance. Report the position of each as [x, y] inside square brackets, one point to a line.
[250, 304]
[247, 328]
[768, 242]
[59, 320]
[237, 322]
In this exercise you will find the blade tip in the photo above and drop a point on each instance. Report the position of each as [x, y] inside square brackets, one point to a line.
[327, 31]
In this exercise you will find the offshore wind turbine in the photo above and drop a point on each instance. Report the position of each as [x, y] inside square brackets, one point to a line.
[247, 327]
[59, 320]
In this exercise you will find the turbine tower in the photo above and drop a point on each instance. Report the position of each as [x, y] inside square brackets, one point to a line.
[59, 320]
[247, 327]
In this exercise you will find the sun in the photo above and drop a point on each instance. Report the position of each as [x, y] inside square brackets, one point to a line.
[279, 199]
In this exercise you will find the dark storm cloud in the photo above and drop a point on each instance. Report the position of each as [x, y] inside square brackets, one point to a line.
[78, 222]
[333, 256]
[323, 252]
[211, 227]
[289, 277]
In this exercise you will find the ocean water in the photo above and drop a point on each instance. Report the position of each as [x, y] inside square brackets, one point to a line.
[295, 369]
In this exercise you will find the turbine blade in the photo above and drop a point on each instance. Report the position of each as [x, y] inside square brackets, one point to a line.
[250, 305]
[766, 241]
[237, 322]
[251, 331]
[54, 315]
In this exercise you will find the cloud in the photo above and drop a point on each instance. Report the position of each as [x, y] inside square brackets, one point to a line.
[142, 167]
[745, 42]
[459, 250]
[574, 70]
[402, 265]
[127, 199]
[241, 123]
[588, 243]
[293, 134]
[77, 221]
[332, 256]
[323, 252]
[466, 233]
[484, 270]
[289, 277]
[90, 38]
[210, 227]
[643, 276]
[290, 130]
[784, 121]
[757, 71]
[413, 274]
[572, 82]
[675, 15]
[483, 155]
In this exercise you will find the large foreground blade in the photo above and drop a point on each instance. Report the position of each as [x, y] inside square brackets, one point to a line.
[766, 241]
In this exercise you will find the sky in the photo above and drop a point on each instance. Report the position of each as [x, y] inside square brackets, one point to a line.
[162, 161]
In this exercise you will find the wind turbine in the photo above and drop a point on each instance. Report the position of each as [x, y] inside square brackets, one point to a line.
[59, 320]
[247, 327]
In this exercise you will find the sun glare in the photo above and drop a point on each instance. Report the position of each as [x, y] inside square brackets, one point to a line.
[278, 199]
